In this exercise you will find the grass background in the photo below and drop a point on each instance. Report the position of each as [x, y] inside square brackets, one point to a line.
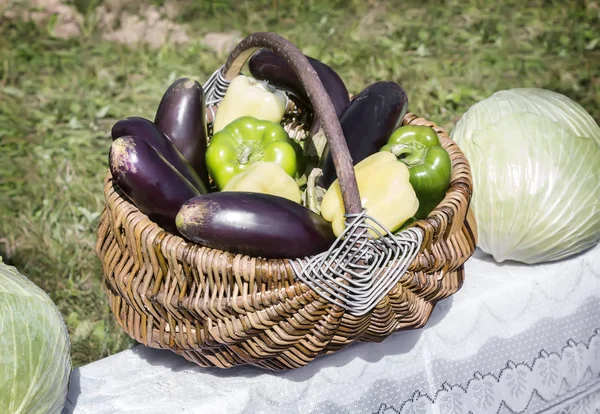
[59, 99]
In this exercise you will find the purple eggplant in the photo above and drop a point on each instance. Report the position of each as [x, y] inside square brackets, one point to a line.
[367, 122]
[255, 224]
[266, 65]
[181, 115]
[149, 132]
[149, 180]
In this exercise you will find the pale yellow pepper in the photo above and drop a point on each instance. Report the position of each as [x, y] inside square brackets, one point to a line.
[385, 192]
[267, 178]
[247, 96]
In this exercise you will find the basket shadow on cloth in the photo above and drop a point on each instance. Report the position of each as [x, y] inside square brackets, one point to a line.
[221, 309]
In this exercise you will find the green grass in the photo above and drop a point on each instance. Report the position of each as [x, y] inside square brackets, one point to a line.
[59, 99]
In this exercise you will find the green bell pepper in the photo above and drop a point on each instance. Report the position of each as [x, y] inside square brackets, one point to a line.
[245, 141]
[429, 164]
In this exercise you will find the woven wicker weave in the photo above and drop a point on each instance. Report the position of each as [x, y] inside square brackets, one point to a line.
[222, 309]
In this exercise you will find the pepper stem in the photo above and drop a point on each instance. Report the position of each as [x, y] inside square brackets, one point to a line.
[249, 152]
[410, 154]
[244, 155]
[314, 193]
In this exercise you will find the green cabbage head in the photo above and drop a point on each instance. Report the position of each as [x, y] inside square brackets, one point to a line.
[535, 160]
[35, 361]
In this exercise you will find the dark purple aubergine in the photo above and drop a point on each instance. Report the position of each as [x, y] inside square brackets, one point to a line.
[145, 129]
[367, 122]
[181, 115]
[266, 65]
[151, 183]
[255, 224]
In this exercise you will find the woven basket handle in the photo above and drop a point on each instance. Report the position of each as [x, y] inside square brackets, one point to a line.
[319, 100]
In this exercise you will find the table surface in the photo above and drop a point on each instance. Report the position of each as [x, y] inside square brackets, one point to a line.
[515, 338]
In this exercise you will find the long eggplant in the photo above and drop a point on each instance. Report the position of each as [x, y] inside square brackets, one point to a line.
[367, 122]
[149, 180]
[255, 224]
[181, 115]
[145, 129]
[266, 65]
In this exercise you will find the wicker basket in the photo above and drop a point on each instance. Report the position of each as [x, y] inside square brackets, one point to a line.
[221, 309]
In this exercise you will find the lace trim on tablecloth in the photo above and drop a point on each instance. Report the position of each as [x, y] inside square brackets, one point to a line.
[550, 376]
[590, 404]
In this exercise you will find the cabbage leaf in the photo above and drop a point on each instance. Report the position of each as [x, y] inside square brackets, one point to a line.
[35, 361]
[535, 160]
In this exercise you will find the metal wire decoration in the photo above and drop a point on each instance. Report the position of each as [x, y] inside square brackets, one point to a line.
[360, 269]
[215, 87]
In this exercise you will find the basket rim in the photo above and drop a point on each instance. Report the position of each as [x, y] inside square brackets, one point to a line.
[439, 224]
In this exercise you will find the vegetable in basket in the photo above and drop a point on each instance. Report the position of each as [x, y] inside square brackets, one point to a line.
[267, 65]
[267, 178]
[429, 164]
[385, 193]
[145, 129]
[367, 122]
[246, 141]
[150, 182]
[254, 224]
[35, 359]
[247, 96]
[181, 116]
[535, 157]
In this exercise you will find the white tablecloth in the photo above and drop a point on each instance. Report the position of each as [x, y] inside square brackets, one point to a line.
[514, 339]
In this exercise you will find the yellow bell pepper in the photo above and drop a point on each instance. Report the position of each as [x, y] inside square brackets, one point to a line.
[267, 178]
[247, 96]
[385, 192]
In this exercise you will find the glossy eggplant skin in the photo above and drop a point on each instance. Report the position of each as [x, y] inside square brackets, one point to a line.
[255, 224]
[266, 65]
[151, 183]
[145, 129]
[367, 122]
[181, 116]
